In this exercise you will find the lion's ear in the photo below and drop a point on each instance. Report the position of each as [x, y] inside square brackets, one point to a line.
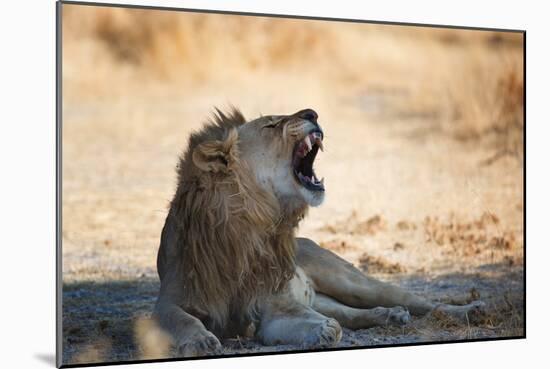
[217, 156]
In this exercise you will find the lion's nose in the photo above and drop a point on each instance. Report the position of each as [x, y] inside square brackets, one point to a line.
[308, 114]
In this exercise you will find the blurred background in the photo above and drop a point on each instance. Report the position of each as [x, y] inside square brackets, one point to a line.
[423, 162]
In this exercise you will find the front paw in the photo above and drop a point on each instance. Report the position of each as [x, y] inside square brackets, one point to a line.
[200, 344]
[327, 334]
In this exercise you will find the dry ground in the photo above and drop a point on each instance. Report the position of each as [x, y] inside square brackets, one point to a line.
[423, 159]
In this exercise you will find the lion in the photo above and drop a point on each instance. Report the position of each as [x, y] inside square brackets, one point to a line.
[229, 260]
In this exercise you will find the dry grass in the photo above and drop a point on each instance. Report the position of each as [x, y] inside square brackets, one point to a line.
[424, 141]
[379, 265]
[470, 237]
[354, 225]
[469, 82]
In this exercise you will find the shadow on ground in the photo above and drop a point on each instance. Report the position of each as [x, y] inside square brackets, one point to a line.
[99, 318]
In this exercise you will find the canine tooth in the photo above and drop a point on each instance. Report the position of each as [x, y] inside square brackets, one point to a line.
[308, 143]
[320, 144]
[322, 181]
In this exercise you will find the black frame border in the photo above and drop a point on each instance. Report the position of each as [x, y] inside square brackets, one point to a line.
[58, 186]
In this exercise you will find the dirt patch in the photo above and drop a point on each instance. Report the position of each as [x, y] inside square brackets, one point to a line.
[108, 321]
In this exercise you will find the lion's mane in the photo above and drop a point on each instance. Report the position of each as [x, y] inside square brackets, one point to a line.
[235, 242]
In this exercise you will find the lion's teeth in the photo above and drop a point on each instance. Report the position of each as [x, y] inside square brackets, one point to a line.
[317, 138]
[304, 178]
[320, 144]
[322, 181]
[308, 143]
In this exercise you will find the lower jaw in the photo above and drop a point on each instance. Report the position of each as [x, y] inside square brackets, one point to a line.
[310, 188]
[313, 198]
[314, 190]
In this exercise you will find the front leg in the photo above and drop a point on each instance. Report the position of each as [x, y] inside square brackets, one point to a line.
[283, 320]
[189, 335]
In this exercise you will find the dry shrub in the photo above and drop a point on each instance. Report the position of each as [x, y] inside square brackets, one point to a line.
[370, 226]
[379, 265]
[398, 246]
[404, 225]
[197, 46]
[466, 84]
[337, 246]
[354, 225]
[441, 320]
[490, 105]
[463, 299]
[129, 37]
[470, 237]
[503, 314]
[486, 101]
[469, 82]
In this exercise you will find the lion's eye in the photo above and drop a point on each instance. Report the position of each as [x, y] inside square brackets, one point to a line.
[271, 125]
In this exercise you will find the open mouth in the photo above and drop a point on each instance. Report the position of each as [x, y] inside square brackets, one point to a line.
[303, 158]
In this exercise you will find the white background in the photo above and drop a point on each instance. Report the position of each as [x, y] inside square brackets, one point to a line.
[27, 182]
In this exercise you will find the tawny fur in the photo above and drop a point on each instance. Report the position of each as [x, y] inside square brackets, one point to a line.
[229, 262]
[230, 232]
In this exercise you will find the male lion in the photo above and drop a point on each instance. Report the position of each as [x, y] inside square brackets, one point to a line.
[229, 261]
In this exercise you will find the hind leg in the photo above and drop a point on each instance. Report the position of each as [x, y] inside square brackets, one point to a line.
[354, 318]
[335, 277]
